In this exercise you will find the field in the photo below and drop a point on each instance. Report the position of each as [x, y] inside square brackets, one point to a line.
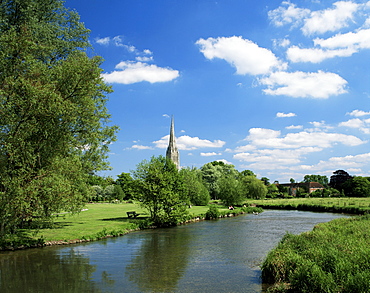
[350, 205]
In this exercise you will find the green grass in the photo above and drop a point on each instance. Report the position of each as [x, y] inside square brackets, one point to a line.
[97, 220]
[334, 257]
[343, 205]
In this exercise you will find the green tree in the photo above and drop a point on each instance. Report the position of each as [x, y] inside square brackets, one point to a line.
[127, 184]
[266, 181]
[232, 190]
[53, 119]
[160, 189]
[357, 187]
[255, 188]
[214, 171]
[323, 180]
[194, 186]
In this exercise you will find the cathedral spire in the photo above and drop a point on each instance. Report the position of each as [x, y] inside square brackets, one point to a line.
[172, 151]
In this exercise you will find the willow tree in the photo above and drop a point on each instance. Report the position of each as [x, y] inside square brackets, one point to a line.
[53, 118]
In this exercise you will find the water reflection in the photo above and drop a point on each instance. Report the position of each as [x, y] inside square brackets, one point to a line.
[46, 270]
[161, 260]
[210, 256]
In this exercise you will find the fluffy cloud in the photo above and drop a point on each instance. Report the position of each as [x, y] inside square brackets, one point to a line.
[358, 113]
[332, 19]
[186, 142]
[268, 138]
[288, 13]
[300, 84]
[210, 154]
[294, 127]
[315, 22]
[285, 115]
[356, 40]
[362, 125]
[133, 72]
[141, 147]
[316, 55]
[246, 56]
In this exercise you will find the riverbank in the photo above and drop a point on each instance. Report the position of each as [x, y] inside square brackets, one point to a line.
[97, 221]
[346, 205]
[333, 257]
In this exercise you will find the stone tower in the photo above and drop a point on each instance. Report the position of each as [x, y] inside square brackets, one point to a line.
[172, 151]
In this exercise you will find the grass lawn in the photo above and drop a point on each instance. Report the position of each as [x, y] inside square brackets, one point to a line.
[353, 205]
[98, 219]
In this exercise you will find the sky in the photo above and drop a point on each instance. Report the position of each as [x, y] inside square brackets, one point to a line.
[281, 88]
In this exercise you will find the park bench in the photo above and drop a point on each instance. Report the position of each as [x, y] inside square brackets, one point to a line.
[132, 214]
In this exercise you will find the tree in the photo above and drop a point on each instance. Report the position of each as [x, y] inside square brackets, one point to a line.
[160, 189]
[127, 185]
[338, 178]
[357, 187]
[195, 190]
[255, 188]
[232, 190]
[323, 180]
[266, 181]
[214, 171]
[53, 118]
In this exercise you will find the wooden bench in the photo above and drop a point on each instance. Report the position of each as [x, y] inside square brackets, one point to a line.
[132, 214]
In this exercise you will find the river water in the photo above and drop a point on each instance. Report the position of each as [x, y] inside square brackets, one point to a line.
[209, 256]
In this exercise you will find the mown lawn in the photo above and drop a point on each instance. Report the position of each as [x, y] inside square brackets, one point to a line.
[353, 205]
[98, 219]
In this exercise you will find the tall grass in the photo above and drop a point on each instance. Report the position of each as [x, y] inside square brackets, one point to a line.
[334, 257]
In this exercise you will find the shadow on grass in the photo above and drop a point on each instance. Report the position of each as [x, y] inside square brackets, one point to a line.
[124, 219]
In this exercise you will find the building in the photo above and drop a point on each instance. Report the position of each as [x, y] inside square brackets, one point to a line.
[309, 187]
[172, 151]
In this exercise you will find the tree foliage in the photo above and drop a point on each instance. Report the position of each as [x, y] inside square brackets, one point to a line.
[53, 119]
[160, 189]
[195, 190]
[322, 179]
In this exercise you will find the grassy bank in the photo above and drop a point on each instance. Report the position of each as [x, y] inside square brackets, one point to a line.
[96, 221]
[334, 257]
[357, 206]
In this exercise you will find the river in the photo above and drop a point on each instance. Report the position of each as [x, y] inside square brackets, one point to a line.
[209, 256]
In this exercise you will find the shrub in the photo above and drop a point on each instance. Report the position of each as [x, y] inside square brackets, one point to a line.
[212, 213]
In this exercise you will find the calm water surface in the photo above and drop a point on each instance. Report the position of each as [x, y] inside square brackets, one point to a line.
[210, 256]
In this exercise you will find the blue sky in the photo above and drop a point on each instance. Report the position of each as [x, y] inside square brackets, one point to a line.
[277, 87]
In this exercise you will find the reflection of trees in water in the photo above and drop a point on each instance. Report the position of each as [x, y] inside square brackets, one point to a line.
[45, 270]
[161, 260]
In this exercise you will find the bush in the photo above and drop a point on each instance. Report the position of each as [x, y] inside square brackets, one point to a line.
[212, 213]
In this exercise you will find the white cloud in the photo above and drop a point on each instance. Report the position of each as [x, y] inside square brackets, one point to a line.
[186, 142]
[141, 147]
[287, 14]
[316, 55]
[346, 162]
[103, 41]
[353, 123]
[358, 113]
[246, 56]
[210, 154]
[320, 85]
[294, 127]
[285, 115]
[319, 126]
[331, 19]
[267, 138]
[353, 40]
[133, 72]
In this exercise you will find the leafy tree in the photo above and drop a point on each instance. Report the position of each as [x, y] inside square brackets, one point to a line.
[272, 191]
[127, 184]
[323, 180]
[160, 189]
[338, 178]
[255, 188]
[53, 118]
[232, 190]
[357, 187]
[214, 171]
[266, 181]
[195, 189]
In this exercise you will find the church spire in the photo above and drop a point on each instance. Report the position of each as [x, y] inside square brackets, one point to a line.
[172, 151]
